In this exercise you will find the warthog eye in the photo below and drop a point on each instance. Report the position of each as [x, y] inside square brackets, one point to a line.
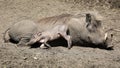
[89, 38]
[33, 36]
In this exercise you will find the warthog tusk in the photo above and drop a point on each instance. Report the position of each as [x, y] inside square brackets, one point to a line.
[105, 36]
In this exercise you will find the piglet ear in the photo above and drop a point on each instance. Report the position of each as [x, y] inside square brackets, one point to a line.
[39, 33]
[88, 18]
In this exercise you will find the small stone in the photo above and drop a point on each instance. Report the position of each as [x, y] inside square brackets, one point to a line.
[25, 58]
[35, 58]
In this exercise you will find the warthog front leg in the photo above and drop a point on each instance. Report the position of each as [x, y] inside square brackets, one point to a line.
[67, 37]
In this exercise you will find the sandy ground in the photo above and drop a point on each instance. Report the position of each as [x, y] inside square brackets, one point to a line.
[12, 11]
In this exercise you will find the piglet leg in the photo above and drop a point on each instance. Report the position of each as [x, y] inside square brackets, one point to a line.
[44, 41]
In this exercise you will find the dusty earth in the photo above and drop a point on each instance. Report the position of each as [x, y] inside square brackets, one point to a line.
[12, 11]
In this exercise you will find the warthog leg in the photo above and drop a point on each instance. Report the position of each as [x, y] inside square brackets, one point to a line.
[6, 37]
[66, 37]
[23, 41]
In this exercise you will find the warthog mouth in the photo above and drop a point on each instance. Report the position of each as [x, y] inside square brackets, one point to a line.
[102, 45]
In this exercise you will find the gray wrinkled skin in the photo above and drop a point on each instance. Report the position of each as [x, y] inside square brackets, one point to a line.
[83, 27]
[21, 32]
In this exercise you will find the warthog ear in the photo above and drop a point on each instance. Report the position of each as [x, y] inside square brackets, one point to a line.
[88, 18]
[92, 24]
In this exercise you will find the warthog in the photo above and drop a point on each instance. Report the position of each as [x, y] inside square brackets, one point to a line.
[20, 32]
[83, 28]
[51, 34]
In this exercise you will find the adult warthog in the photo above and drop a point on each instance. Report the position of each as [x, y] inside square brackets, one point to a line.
[20, 32]
[83, 28]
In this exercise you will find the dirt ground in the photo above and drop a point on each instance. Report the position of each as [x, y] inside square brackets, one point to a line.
[12, 11]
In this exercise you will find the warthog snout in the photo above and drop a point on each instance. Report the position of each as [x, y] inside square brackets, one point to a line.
[108, 40]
